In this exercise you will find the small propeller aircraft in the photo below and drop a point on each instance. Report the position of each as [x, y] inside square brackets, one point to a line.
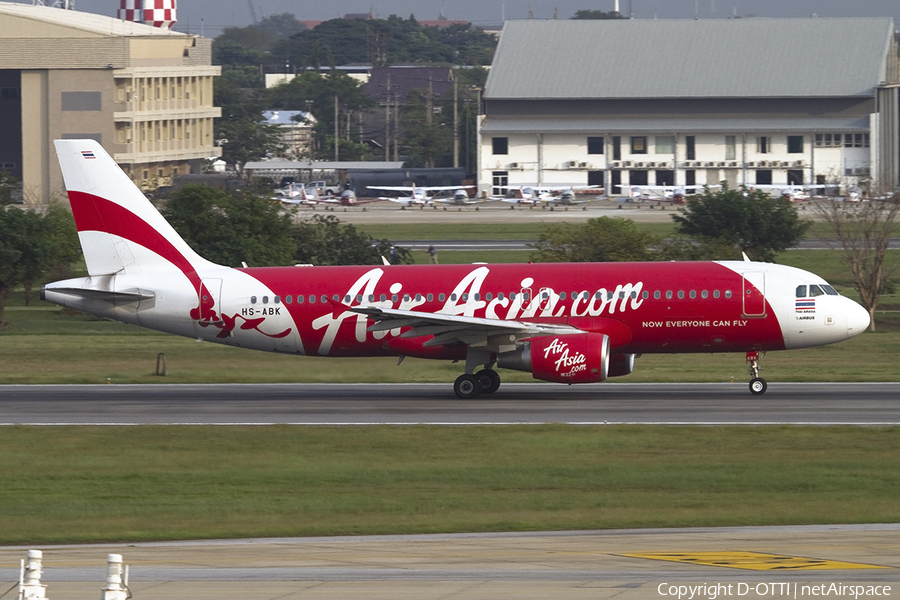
[418, 195]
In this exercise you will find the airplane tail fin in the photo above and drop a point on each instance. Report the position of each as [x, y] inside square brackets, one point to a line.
[119, 229]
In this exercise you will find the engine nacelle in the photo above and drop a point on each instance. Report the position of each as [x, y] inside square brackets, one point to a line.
[620, 364]
[577, 358]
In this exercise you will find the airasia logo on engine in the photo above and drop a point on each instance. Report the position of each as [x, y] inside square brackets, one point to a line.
[566, 364]
[577, 358]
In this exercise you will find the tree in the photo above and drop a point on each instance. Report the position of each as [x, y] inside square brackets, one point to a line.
[862, 234]
[231, 229]
[31, 244]
[596, 14]
[596, 240]
[242, 131]
[324, 240]
[750, 221]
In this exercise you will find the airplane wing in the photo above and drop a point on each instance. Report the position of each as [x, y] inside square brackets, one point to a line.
[393, 188]
[489, 334]
[444, 188]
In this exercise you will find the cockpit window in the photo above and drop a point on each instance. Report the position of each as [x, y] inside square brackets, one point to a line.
[830, 290]
[801, 291]
[815, 290]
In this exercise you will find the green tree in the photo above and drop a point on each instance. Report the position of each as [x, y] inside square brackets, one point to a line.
[744, 221]
[596, 240]
[596, 15]
[229, 229]
[324, 240]
[242, 131]
[31, 244]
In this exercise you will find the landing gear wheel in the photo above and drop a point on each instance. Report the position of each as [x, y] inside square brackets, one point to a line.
[758, 386]
[466, 386]
[489, 381]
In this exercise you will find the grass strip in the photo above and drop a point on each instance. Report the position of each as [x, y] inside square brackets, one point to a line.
[87, 484]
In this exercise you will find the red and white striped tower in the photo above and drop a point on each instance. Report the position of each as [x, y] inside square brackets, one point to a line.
[159, 13]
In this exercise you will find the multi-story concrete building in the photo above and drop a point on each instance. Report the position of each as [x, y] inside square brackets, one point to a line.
[746, 101]
[143, 92]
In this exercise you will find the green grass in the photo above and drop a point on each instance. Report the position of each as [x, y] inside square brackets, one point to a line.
[85, 484]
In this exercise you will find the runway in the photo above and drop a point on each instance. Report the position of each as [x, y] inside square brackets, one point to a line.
[402, 404]
[761, 562]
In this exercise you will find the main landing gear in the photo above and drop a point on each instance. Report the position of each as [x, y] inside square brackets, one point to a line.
[468, 386]
[758, 385]
[486, 381]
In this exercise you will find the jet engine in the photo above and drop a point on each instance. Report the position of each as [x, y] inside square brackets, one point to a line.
[576, 358]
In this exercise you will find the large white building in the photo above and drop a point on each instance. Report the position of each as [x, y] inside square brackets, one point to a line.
[747, 101]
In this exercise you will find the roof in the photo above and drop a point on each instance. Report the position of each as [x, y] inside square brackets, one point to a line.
[87, 22]
[405, 78]
[612, 125]
[286, 117]
[324, 165]
[690, 58]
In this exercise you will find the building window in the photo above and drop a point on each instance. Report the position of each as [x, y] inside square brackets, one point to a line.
[10, 93]
[730, 147]
[596, 178]
[617, 147]
[795, 176]
[690, 177]
[764, 177]
[690, 148]
[639, 144]
[665, 144]
[795, 144]
[856, 140]
[638, 177]
[595, 145]
[763, 145]
[500, 145]
[829, 140]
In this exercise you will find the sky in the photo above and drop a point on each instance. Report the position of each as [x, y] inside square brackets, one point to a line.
[213, 15]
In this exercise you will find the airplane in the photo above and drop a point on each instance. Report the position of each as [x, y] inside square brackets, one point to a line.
[529, 195]
[417, 195]
[346, 198]
[794, 192]
[295, 194]
[564, 323]
[460, 198]
[567, 197]
[659, 193]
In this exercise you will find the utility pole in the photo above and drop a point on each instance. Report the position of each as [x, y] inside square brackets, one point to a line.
[429, 102]
[387, 121]
[336, 130]
[455, 121]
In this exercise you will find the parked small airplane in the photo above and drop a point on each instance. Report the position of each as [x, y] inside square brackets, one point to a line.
[660, 193]
[565, 323]
[417, 195]
[347, 198]
[796, 193]
[295, 193]
[529, 195]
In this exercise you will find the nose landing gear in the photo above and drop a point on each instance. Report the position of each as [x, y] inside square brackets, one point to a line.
[758, 385]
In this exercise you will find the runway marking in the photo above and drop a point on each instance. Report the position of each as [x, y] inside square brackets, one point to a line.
[755, 561]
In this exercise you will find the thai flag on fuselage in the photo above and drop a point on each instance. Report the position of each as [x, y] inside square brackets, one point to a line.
[87, 154]
[806, 304]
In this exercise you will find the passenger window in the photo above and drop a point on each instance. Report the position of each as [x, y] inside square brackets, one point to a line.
[562, 295]
[312, 299]
[383, 297]
[359, 298]
[704, 294]
[252, 299]
[336, 298]
[418, 297]
[801, 291]
[431, 297]
[680, 294]
[441, 297]
[715, 293]
[815, 290]
[693, 294]
[728, 293]
[656, 295]
[393, 297]
[289, 300]
[453, 297]
[265, 299]
[277, 300]
[346, 299]
[668, 294]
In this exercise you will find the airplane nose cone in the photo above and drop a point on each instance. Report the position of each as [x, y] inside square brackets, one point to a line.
[857, 319]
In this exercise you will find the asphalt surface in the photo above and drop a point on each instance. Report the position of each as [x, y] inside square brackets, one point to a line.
[757, 562]
[807, 403]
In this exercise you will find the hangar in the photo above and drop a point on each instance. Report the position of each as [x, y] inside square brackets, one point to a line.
[674, 102]
[145, 93]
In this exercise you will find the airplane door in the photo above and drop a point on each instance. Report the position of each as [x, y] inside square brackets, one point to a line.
[211, 301]
[754, 294]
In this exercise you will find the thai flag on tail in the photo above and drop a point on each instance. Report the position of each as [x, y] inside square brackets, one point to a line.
[87, 154]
